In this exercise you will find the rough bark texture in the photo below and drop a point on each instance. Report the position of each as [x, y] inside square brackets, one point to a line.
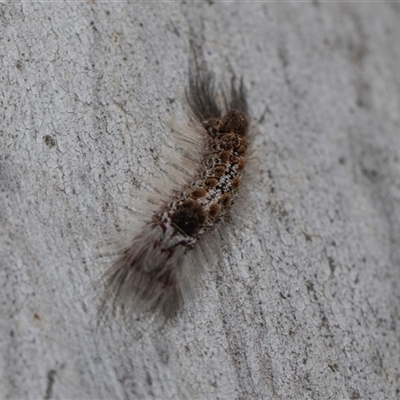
[305, 302]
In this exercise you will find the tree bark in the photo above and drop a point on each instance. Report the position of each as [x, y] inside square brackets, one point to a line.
[304, 303]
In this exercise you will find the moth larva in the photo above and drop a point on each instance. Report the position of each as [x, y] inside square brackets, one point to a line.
[150, 272]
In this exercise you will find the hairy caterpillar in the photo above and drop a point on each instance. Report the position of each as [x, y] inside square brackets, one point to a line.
[151, 273]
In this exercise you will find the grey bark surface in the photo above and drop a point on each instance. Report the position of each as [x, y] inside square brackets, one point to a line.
[305, 302]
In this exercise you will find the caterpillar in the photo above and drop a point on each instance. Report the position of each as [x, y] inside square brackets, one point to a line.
[151, 273]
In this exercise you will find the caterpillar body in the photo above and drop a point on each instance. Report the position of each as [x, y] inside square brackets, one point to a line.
[151, 272]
